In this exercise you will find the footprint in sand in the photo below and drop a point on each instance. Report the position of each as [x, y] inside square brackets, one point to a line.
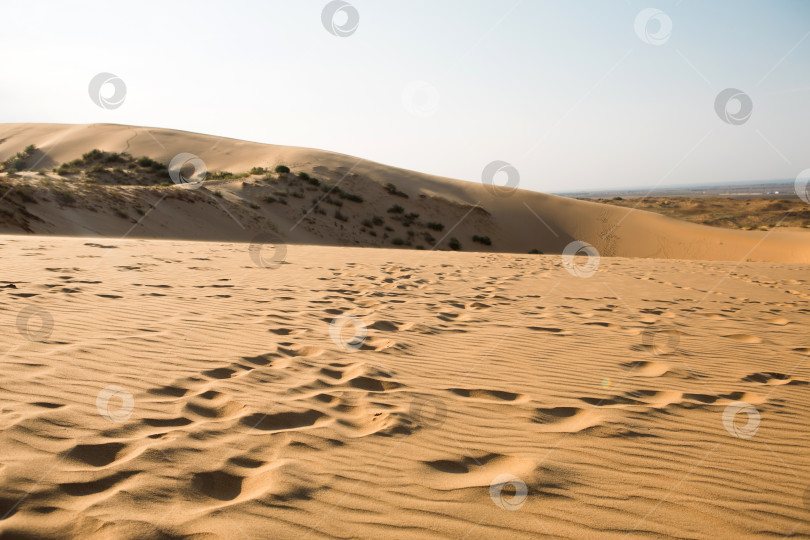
[744, 338]
[567, 419]
[772, 379]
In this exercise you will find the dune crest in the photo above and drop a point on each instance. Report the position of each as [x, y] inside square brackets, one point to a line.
[480, 218]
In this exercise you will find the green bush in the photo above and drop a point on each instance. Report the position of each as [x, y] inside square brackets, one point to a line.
[435, 226]
[455, 244]
[535, 251]
[302, 175]
[396, 209]
[367, 223]
[340, 216]
[149, 163]
[17, 161]
[397, 241]
[64, 196]
[351, 197]
[120, 212]
[282, 169]
[392, 190]
[482, 240]
[377, 220]
[93, 154]
[257, 170]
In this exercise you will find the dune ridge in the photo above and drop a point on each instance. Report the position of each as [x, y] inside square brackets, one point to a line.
[517, 223]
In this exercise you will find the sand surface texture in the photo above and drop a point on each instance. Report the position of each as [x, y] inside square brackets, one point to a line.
[203, 390]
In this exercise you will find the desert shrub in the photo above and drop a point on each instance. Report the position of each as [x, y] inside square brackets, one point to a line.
[411, 216]
[254, 206]
[429, 238]
[535, 251]
[351, 197]
[340, 216]
[148, 163]
[298, 194]
[280, 193]
[120, 212]
[389, 229]
[17, 161]
[482, 240]
[335, 202]
[257, 170]
[396, 209]
[454, 244]
[64, 196]
[392, 190]
[302, 175]
[377, 220]
[397, 241]
[269, 199]
[282, 169]
[95, 169]
[92, 155]
[314, 181]
[367, 223]
[218, 193]
[67, 168]
[435, 226]
[25, 193]
[114, 157]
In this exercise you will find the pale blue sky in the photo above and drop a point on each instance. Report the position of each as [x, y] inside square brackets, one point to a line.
[566, 91]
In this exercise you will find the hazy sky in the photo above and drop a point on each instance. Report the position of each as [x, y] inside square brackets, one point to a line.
[574, 94]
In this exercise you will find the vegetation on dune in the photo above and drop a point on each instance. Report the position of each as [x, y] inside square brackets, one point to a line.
[726, 212]
[18, 161]
[485, 240]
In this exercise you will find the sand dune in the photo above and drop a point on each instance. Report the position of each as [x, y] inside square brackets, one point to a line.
[173, 389]
[517, 223]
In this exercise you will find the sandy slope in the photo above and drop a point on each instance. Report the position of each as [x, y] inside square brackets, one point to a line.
[517, 223]
[236, 414]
